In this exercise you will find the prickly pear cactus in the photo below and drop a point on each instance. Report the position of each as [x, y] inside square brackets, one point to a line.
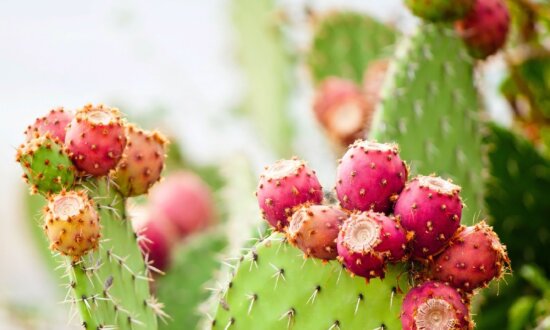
[430, 107]
[345, 43]
[275, 288]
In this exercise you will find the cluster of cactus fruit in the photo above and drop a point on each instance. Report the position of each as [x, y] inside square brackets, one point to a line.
[382, 219]
[86, 164]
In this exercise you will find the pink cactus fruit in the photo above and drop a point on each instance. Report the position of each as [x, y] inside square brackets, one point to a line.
[156, 236]
[184, 200]
[434, 305]
[283, 187]
[474, 257]
[431, 208]
[96, 139]
[342, 110]
[370, 176]
[71, 223]
[373, 80]
[314, 229]
[142, 161]
[55, 123]
[367, 240]
[485, 28]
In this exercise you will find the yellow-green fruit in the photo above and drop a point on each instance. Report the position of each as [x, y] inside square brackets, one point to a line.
[72, 223]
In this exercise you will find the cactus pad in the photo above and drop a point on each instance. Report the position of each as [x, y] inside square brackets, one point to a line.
[429, 106]
[274, 287]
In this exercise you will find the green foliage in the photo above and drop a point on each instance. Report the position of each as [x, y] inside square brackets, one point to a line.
[345, 43]
[430, 107]
[274, 287]
[182, 289]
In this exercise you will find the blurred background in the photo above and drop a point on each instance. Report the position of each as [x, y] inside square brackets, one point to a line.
[171, 65]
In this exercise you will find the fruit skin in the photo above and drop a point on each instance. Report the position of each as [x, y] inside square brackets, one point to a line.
[96, 139]
[72, 223]
[367, 240]
[142, 161]
[284, 186]
[370, 176]
[440, 10]
[342, 110]
[435, 298]
[55, 123]
[431, 208]
[485, 28]
[373, 80]
[314, 229]
[185, 201]
[46, 164]
[474, 257]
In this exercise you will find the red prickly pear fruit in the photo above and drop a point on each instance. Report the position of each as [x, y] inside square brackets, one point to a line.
[434, 305]
[394, 238]
[474, 257]
[156, 237]
[370, 176]
[360, 247]
[440, 10]
[373, 79]
[430, 207]
[96, 139]
[342, 110]
[485, 28]
[72, 223]
[142, 161]
[284, 186]
[55, 123]
[184, 200]
[314, 229]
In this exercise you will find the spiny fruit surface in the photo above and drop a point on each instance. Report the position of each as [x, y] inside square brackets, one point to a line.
[46, 164]
[96, 139]
[342, 110]
[283, 186]
[55, 123]
[440, 10]
[431, 208]
[185, 201]
[370, 176]
[72, 223]
[434, 305]
[474, 257]
[314, 229]
[275, 288]
[142, 161]
[485, 28]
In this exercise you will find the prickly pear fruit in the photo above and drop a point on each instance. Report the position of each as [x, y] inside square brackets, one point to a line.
[314, 229]
[46, 164]
[55, 123]
[142, 161]
[474, 257]
[96, 139]
[367, 240]
[440, 10]
[370, 176]
[185, 201]
[434, 305]
[485, 28]
[431, 208]
[155, 236]
[342, 110]
[72, 223]
[284, 186]
[373, 79]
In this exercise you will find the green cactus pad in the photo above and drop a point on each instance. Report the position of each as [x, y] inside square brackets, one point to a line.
[111, 285]
[430, 107]
[274, 287]
[344, 43]
[440, 10]
[46, 164]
